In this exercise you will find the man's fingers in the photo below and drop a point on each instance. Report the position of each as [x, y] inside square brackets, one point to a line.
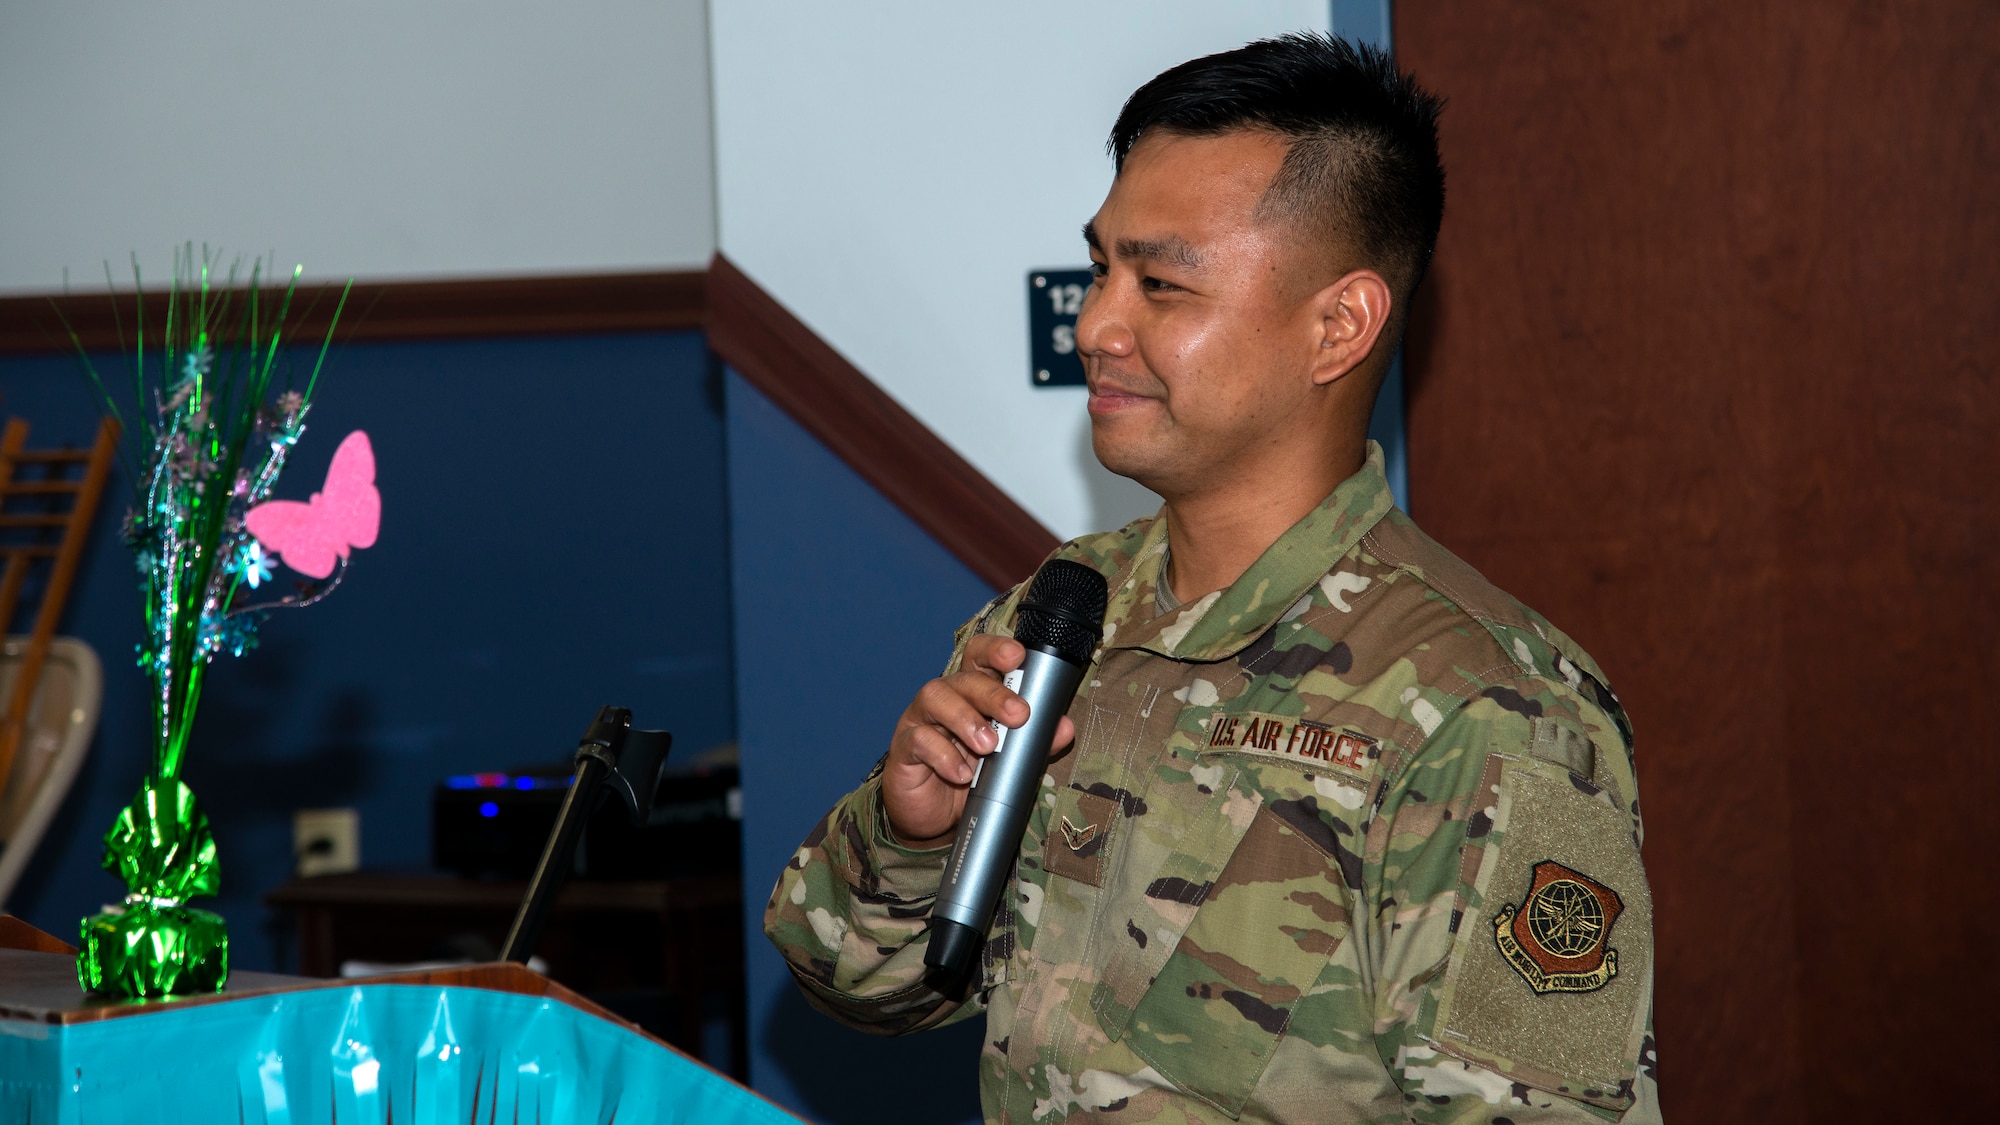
[992, 654]
[948, 728]
[990, 697]
[1065, 738]
[944, 703]
[942, 753]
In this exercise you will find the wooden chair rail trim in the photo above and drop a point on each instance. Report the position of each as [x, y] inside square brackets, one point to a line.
[396, 310]
[911, 466]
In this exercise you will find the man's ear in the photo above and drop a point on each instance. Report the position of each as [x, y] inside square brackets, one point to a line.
[1353, 311]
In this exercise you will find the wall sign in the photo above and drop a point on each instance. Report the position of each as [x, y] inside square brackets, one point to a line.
[1054, 299]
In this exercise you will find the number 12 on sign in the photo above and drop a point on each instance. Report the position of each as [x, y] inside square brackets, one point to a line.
[1055, 297]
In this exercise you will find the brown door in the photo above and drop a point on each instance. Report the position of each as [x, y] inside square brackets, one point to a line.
[1705, 371]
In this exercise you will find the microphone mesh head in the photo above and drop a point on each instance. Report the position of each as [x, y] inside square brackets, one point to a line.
[1063, 611]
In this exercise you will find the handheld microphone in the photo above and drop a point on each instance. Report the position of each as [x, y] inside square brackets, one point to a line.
[1059, 622]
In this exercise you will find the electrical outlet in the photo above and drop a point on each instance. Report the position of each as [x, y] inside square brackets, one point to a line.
[326, 841]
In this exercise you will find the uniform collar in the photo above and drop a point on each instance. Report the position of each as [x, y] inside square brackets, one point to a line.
[1218, 625]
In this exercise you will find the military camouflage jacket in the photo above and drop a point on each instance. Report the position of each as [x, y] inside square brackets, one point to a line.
[1355, 839]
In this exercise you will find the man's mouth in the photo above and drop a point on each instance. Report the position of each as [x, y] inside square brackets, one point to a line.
[1109, 399]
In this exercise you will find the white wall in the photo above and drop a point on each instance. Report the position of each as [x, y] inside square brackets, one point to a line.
[889, 175]
[892, 176]
[370, 138]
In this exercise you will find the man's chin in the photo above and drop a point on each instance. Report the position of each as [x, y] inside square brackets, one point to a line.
[1120, 459]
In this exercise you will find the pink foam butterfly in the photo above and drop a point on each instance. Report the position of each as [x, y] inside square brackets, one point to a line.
[344, 514]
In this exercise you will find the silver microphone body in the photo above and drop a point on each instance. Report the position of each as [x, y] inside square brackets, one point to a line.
[1060, 621]
[1003, 793]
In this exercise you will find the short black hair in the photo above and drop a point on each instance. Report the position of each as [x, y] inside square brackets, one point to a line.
[1363, 166]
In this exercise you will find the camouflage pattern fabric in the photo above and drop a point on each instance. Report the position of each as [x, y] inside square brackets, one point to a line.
[1355, 839]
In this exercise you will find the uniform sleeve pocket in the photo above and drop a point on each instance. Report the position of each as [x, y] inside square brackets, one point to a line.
[1550, 975]
[1265, 930]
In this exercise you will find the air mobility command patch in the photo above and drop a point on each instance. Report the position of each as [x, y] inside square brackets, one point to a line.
[1554, 898]
[1556, 938]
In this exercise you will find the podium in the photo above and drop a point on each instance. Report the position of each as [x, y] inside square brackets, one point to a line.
[483, 1043]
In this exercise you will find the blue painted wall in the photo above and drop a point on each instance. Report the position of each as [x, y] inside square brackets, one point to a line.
[843, 609]
[553, 538]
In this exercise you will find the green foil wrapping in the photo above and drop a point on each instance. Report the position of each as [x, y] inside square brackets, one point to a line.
[161, 846]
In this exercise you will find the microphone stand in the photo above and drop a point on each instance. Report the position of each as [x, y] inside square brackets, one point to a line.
[610, 754]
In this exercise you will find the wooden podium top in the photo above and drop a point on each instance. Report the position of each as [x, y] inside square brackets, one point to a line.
[41, 988]
[38, 984]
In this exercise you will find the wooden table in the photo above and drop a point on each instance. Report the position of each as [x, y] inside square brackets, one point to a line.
[681, 939]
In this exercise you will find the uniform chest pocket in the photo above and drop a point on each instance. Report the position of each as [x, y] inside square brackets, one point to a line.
[1080, 830]
[1266, 929]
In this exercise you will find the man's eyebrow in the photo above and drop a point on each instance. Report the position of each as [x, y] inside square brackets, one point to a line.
[1171, 248]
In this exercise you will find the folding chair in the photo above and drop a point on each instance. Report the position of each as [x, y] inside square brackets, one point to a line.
[54, 740]
[47, 501]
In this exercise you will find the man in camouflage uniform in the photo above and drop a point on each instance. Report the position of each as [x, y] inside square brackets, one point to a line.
[1346, 833]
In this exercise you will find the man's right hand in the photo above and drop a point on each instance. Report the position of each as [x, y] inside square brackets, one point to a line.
[943, 733]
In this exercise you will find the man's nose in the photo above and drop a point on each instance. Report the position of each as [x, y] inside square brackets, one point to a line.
[1102, 327]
